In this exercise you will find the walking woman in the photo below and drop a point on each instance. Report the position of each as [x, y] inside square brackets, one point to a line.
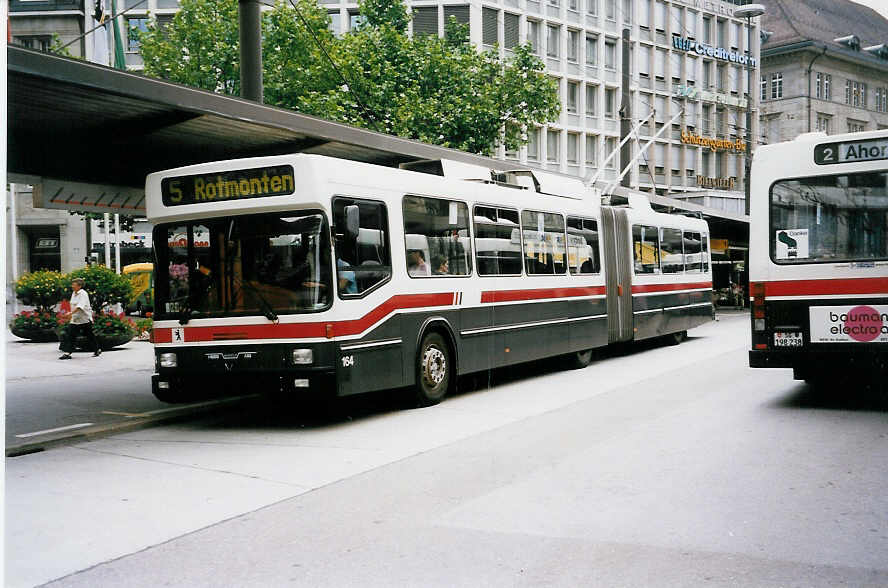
[81, 322]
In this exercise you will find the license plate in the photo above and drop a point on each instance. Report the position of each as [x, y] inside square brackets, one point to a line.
[787, 339]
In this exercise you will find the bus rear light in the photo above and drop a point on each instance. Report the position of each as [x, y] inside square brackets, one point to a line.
[758, 302]
[761, 345]
[300, 383]
[758, 324]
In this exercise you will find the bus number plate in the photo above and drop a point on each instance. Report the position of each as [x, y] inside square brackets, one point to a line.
[787, 339]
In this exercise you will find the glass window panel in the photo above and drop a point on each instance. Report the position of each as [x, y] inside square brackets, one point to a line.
[436, 237]
[583, 255]
[497, 241]
[671, 251]
[645, 249]
[362, 262]
[693, 250]
[544, 243]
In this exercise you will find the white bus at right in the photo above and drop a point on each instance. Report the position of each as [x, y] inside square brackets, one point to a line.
[818, 257]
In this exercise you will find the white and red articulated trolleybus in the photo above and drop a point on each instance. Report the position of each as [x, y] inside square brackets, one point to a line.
[818, 256]
[308, 272]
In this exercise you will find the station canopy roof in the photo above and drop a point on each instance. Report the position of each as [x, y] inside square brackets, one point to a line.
[87, 135]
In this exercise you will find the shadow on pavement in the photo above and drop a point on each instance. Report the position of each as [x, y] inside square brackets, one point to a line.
[847, 396]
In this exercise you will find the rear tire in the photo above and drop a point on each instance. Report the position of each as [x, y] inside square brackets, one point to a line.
[676, 338]
[580, 359]
[434, 370]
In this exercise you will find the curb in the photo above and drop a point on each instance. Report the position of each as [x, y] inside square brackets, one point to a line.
[113, 428]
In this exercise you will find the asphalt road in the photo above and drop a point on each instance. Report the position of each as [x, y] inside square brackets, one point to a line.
[667, 466]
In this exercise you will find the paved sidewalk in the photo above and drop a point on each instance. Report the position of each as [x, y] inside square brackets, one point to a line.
[26, 359]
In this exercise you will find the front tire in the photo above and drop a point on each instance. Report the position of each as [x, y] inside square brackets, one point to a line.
[434, 370]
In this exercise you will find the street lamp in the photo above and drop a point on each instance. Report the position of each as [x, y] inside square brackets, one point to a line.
[748, 12]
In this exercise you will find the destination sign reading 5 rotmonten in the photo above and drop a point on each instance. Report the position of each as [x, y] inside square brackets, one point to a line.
[228, 185]
[851, 151]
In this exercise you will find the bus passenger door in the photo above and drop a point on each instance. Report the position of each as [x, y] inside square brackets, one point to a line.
[618, 274]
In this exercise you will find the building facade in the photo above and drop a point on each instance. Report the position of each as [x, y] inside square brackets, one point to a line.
[824, 68]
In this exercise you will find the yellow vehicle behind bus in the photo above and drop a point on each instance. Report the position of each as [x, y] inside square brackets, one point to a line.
[142, 277]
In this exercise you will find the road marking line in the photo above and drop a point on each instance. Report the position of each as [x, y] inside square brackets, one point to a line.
[126, 414]
[56, 430]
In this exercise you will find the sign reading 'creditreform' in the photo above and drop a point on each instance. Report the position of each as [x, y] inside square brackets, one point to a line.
[692, 46]
[228, 185]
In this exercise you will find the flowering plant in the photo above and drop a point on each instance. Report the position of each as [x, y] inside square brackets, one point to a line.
[41, 289]
[34, 320]
[105, 324]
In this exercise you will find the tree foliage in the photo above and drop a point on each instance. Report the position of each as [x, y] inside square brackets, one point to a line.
[104, 286]
[432, 89]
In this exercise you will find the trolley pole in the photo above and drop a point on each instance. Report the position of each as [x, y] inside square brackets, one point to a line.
[748, 12]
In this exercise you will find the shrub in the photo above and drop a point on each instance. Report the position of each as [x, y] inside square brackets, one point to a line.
[103, 286]
[143, 326]
[42, 289]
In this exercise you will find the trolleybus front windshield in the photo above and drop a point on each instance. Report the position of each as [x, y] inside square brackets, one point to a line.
[266, 264]
[832, 218]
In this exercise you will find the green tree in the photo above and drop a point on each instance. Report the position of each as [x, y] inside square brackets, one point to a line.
[43, 289]
[103, 285]
[437, 90]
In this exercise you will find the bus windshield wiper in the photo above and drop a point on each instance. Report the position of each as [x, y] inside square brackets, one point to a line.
[267, 309]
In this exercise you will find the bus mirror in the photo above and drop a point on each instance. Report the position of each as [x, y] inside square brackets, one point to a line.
[352, 222]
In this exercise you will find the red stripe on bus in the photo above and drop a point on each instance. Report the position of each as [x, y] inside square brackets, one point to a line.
[307, 330]
[669, 287]
[828, 286]
[517, 295]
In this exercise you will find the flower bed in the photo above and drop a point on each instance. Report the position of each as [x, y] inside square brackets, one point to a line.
[110, 329]
[35, 325]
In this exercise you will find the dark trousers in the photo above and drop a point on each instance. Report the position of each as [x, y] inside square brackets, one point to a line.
[73, 331]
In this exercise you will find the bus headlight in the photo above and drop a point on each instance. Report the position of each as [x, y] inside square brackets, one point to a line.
[303, 356]
[168, 360]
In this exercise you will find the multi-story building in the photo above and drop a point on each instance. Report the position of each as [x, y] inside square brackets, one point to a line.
[824, 68]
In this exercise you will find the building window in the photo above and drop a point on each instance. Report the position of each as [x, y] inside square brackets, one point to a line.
[827, 87]
[36, 42]
[818, 85]
[511, 27]
[573, 45]
[863, 92]
[591, 100]
[134, 27]
[592, 6]
[591, 50]
[610, 54]
[611, 9]
[776, 85]
[882, 99]
[707, 29]
[489, 26]
[553, 140]
[856, 126]
[533, 36]
[592, 150]
[573, 148]
[552, 40]
[764, 86]
[533, 144]
[572, 98]
[610, 144]
[823, 121]
[610, 99]
[627, 11]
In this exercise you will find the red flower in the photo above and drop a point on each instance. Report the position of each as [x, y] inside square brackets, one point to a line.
[107, 323]
[37, 320]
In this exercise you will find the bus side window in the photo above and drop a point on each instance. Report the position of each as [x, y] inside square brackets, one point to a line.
[693, 252]
[364, 262]
[645, 249]
[436, 237]
[544, 243]
[497, 241]
[671, 251]
[582, 246]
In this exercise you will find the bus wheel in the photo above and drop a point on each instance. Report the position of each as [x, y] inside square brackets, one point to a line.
[434, 370]
[580, 359]
[676, 338]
